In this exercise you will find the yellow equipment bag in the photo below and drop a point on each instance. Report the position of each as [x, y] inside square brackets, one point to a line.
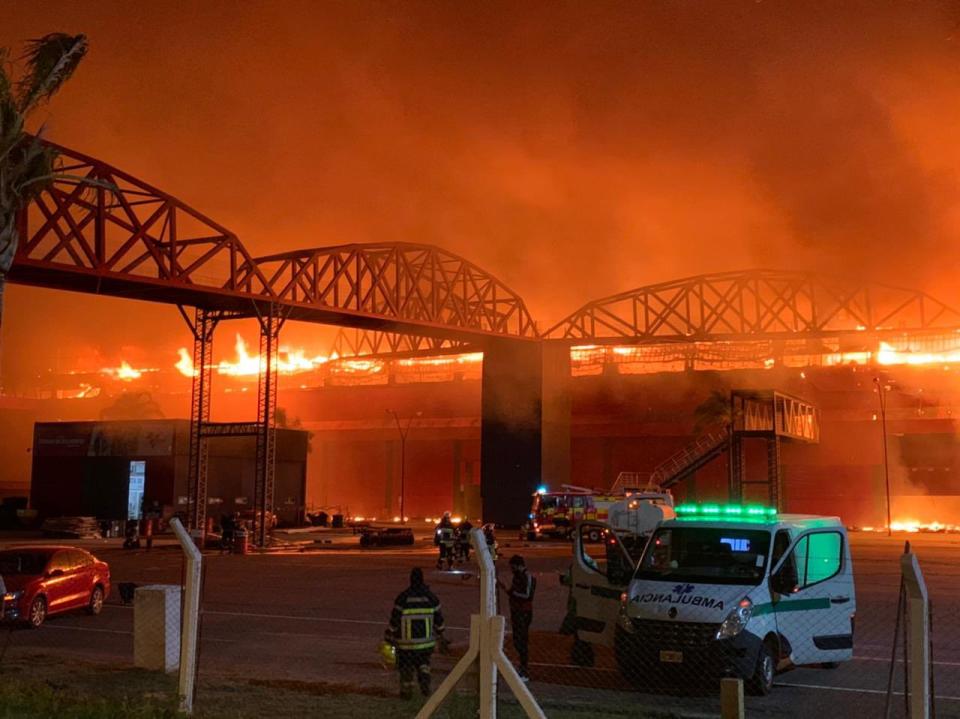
[388, 655]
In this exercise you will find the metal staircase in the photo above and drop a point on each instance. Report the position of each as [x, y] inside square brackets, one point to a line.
[688, 460]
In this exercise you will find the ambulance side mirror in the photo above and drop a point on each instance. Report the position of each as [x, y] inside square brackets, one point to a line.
[782, 583]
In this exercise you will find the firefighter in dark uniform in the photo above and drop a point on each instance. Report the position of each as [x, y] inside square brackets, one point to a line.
[520, 592]
[416, 626]
[445, 539]
[463, 541]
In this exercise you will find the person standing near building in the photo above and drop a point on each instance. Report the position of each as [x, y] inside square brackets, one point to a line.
[520, 592]
[463, 541]
[416, 625]
[446, 540]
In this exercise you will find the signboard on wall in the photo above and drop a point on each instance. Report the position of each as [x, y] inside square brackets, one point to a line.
[140, 439]
[105, 439]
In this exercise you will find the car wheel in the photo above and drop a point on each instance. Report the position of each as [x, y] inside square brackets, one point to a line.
[37, 613]
[594, 535]
[761, 682]
[96, 601]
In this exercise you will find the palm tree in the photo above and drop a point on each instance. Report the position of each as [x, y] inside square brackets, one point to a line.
[27, 164]
[713, 412]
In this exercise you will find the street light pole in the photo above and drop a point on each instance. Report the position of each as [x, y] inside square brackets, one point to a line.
[403, 458]
[886, 464]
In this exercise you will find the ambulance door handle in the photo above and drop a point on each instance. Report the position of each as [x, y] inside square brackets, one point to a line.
[839, 600]
[583, 586]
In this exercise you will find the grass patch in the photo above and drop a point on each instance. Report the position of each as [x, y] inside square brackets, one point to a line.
[35, 686]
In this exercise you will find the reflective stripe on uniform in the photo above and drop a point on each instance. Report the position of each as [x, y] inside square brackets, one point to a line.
[416, 627]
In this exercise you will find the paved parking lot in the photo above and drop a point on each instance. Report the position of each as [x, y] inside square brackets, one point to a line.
[319, 616]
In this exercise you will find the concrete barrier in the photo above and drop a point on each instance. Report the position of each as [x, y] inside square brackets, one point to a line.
[156, 627]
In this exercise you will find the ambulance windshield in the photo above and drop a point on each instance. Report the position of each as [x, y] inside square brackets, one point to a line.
[706, 554]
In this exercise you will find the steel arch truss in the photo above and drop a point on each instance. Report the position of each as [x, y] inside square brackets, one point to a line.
[752, 305]
[116, 235]
[404, 282]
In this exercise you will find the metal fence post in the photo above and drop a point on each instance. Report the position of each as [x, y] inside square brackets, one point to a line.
[918, 615]
[190, 617]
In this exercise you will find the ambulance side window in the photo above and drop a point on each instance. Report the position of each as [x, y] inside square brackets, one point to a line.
[815, 558]
[823, 557]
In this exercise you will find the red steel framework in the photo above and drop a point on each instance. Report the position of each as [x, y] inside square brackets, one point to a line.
[125, 238]
[122, 237]
[754, 305]
[350, 342]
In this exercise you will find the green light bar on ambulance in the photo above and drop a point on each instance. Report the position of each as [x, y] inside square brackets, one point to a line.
[725, 511]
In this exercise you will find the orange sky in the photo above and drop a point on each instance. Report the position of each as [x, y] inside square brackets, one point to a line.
[573, 149]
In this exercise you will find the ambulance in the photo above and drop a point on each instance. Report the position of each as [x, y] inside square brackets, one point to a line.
[721, 590]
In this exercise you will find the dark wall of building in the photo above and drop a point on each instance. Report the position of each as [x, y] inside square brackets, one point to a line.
[82, 468]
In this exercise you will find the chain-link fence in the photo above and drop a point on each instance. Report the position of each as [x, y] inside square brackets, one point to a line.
[301, 627]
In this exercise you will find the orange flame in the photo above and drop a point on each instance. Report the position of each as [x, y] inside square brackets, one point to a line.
[185, 363]
[245, 364]
[125, 372]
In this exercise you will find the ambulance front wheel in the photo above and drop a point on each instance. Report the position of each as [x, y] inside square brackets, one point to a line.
[761, 682]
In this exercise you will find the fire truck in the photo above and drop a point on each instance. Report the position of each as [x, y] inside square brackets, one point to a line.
[555, 514]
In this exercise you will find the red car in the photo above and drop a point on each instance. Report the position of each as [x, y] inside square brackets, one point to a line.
[41, 581]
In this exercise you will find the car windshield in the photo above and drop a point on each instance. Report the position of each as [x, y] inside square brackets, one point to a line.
[708, 555]
[22, 563]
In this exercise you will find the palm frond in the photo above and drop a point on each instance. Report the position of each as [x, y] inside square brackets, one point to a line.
[5, 84]
[50, 60]
[713, 412]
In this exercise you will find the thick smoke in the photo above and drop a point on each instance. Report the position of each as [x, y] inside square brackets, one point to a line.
[574, 149]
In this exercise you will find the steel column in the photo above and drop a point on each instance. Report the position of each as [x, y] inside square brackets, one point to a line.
[774, 475]
[202, 327]
[266, 417]
[736, 467]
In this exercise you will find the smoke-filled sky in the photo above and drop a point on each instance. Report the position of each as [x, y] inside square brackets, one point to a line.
[573, 149]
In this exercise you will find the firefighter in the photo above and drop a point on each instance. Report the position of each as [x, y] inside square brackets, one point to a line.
[520, 592]
[463, 541]
[416, 625]
[491, 539]
[446, 540]
[228, 529]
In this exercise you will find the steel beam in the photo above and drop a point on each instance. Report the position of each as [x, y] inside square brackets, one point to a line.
[270, 325]
[202, 327]
[736, 477]
[774, 473]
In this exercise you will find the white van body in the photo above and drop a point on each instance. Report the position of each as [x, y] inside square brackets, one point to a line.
[716, 593]
[641, 512]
